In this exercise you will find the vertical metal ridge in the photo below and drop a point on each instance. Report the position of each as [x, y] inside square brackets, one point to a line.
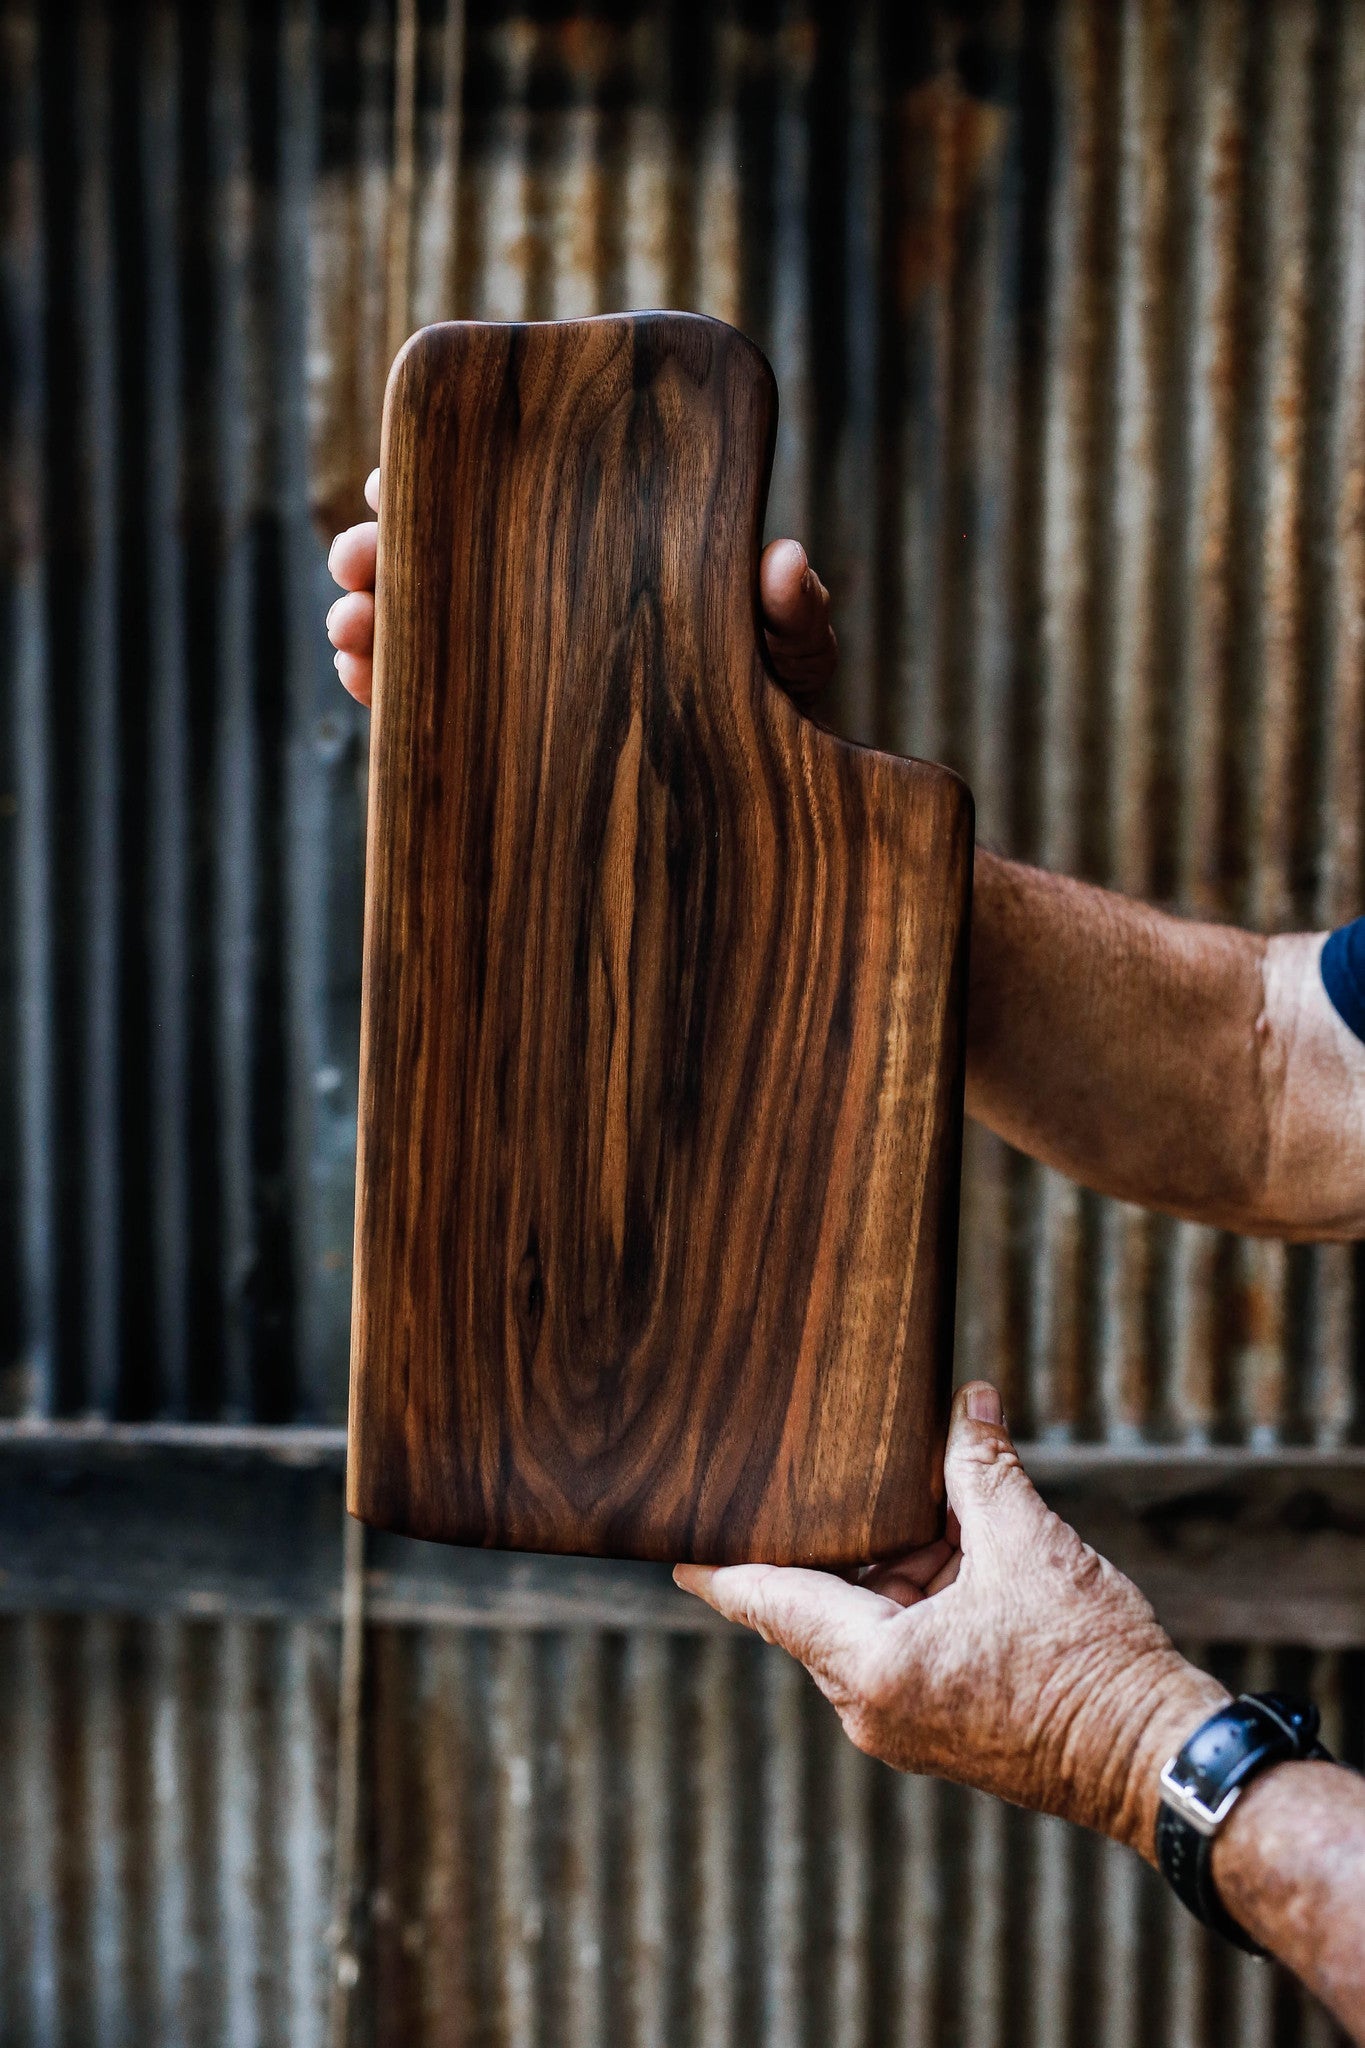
[581, 229]
[1118, 1973]
[248, 773]
[1146, 265]
[306, 1757]
[992, 447]
[317, 836]
[849, 512]
[450, 1924]
[1135, 647]
[240, 1869]
[843, 1852]
[987, 1943]
[64, 542]
[402, 195]
[1210, 366]
[16, 232]
[1278, 240]
[30, 1379]
[782, 1944]
[1342, 871]
[367, 66]
[388, 1881]
[12, 1898]
[168, 781]
[45, 1960]
[789, 313]
[1051, 1935]
[1078, 202]
[1212, 371]
[99, 814]
[236, 431]
[651, 1821]
[984, 653]
[438, 88]
[576, 1864]
[643, 193]
[519, 1915]
[925, 202]
[499, 173]
[167, 1847]
[919, 1909]
[713, 1970]
[716, 287]
[1333, 1401]
[1273, 650]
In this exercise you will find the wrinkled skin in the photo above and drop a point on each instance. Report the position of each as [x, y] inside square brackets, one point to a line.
[1007, 1655]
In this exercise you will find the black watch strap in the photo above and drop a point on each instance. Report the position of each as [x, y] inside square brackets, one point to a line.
[1200, 1787]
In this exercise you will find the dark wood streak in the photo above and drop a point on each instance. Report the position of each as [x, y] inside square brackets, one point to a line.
[661, 1064]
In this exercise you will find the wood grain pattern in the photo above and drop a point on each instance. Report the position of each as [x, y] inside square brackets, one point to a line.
[661, 1082]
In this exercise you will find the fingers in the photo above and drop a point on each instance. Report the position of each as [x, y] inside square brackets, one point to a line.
[350, 624]
[357, 675]
[908, 1579]
[988, 1488]
[795, 603]
[796, 615]
[350, 628]
[352, 556]
[822, 1620]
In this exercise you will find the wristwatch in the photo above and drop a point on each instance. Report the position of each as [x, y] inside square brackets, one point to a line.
[1203, 1782]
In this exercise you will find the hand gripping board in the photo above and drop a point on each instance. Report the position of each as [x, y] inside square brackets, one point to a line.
[662, 1040]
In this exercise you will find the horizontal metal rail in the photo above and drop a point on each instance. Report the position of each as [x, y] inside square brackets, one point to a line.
[166, 1519]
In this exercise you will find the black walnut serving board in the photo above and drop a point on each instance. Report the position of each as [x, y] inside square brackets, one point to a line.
[661, 1056]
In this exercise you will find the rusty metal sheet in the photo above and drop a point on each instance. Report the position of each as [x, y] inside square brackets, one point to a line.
[574, 1838]
[1067, 306]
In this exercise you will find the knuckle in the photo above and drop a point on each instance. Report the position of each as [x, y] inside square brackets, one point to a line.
[880, 1687]
[1083, 1567]
[862, 1731]
[750, 1604]
[995, 1461]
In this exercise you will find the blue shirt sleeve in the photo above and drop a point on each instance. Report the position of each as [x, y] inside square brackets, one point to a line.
[1343, 973]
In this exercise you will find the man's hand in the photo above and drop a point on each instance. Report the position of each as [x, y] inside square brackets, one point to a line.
[801, 643]
[1007, 1655]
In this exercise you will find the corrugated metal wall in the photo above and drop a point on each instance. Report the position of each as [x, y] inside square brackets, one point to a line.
[581, 1838]
[1067, 307]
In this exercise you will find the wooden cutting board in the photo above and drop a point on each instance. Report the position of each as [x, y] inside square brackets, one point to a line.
[661, 1057]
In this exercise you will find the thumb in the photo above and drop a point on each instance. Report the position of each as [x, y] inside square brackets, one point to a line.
[988, 1488]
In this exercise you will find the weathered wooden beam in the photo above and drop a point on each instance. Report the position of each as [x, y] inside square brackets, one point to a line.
[1228, 1545]
[163, 1519]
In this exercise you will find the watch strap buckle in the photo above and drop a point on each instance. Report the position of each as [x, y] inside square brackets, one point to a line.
[1183, 1798]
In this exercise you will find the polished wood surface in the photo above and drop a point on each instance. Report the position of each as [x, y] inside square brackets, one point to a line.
[661, 1064]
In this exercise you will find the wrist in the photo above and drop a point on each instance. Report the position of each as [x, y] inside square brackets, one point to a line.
[1131, 1712]
[1167, 1705]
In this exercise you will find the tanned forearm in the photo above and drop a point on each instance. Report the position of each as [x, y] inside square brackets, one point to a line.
[1189, 1067]
[1289, 1863]
[1290, 1868]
